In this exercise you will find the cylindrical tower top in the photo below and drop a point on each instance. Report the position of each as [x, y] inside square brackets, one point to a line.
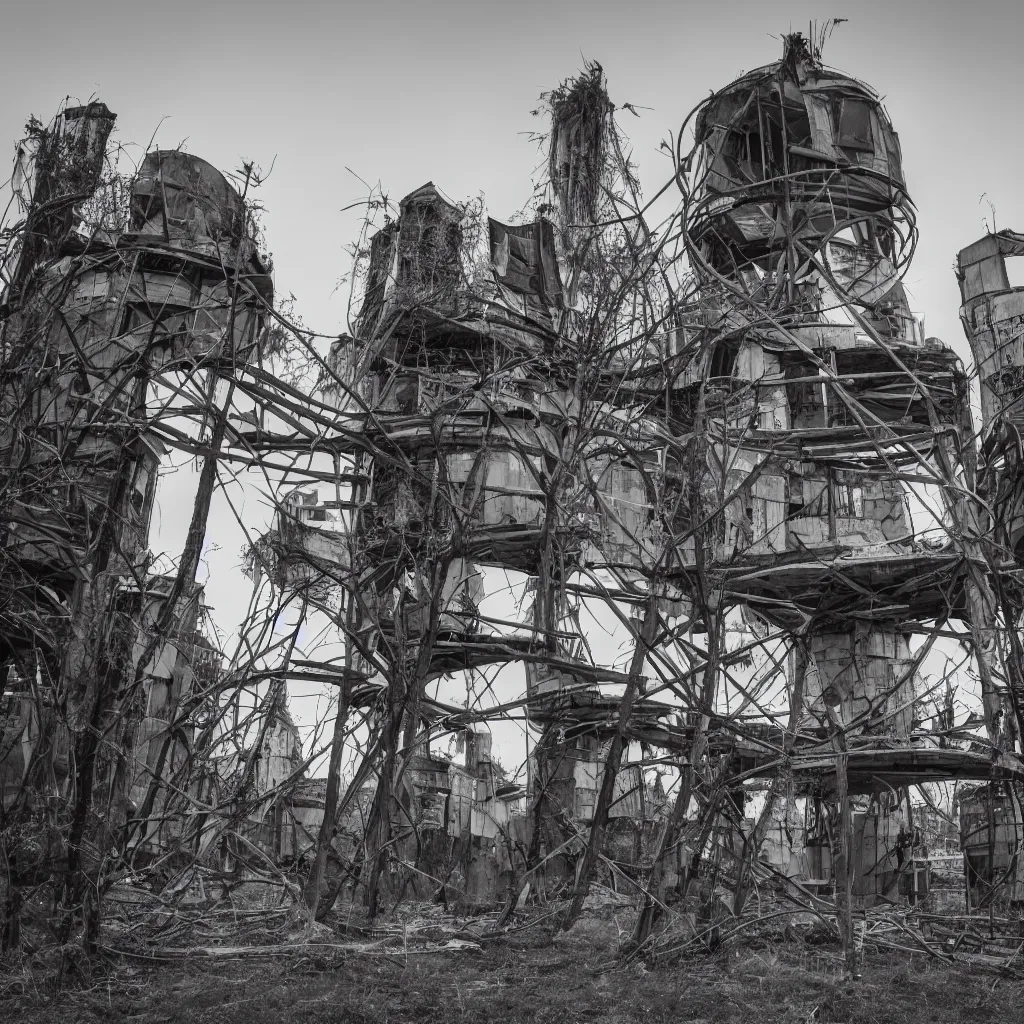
[799, 165]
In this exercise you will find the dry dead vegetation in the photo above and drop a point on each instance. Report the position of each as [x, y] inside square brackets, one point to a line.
[791, 973]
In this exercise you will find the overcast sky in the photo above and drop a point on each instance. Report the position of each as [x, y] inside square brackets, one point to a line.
[405, 92]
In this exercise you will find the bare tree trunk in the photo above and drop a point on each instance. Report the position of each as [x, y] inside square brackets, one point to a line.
[651, 910]
[780, 782]
[401, 700]
[844, 848]
[611, 768]
[326, 834]
[186, 575]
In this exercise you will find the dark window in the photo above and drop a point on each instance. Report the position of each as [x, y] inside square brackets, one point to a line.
[855, 125]
[798, 125]
[723, 361]
[163, 324]
[805, 400]
[407, 396]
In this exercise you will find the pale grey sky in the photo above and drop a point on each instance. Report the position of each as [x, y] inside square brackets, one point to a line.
[410, 91]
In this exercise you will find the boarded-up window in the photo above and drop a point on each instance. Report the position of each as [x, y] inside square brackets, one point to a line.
[819, 116]
[815, 497]
[768, 514]
[460, 466]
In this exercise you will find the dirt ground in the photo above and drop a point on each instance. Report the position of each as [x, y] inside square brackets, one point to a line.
[535, 977]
